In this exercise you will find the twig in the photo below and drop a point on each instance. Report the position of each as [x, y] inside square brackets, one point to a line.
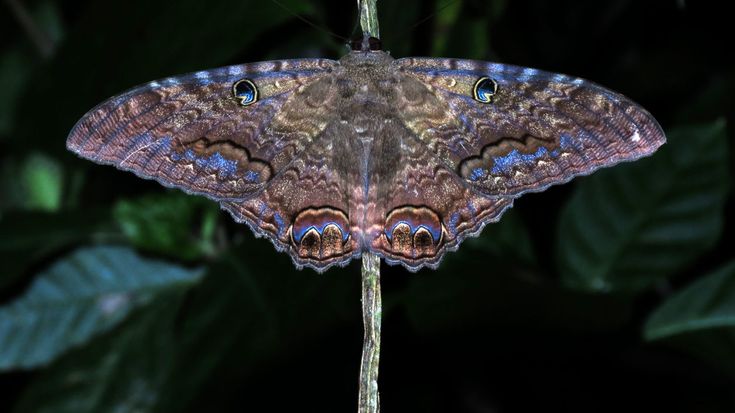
[369, 18]
[371, 315]
[372, 309]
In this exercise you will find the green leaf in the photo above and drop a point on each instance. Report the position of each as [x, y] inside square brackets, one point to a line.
[175, 224]
[81, 295]
[121, 372]
[43, 180]
[27, 238]
[164, 357]
[700, 319]
[34, 184]
[708, 303]
[251, 307]
[630, 225]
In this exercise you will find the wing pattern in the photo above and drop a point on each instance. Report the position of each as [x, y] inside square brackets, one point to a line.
[539, 129]
[328, 159]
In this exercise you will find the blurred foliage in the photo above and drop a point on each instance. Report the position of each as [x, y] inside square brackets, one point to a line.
[701, 318]
[80, 296]
[621, 225]
[613, 291]
[173, 224]
[707, 303]
[35, 183]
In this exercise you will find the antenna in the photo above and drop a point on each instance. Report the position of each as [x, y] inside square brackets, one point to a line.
[309, 22]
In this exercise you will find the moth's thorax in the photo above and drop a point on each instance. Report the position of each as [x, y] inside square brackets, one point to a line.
[371, 58]
[366, 83]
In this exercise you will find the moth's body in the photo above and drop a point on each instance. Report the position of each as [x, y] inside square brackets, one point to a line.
[367, 143]
[329, 159]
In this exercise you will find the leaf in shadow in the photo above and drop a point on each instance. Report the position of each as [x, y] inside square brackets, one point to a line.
[494, 280]
[172, 223]
[27, 238]
[86, 293]
[34, 184]
[121, 372]
[700, 319]
[630, 225]
[193, 352]
[247, 312]
[707, 303]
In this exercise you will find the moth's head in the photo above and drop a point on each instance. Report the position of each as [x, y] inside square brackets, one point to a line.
[366, 44]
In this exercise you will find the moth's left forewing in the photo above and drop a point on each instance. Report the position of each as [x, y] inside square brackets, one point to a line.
[191, 132]
[537, 129]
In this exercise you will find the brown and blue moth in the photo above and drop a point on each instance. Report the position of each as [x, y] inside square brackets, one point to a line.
[400, 157]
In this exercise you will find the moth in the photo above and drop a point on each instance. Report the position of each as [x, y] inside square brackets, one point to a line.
[328, 159]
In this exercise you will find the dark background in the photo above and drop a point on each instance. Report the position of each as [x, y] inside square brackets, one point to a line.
[614, 292]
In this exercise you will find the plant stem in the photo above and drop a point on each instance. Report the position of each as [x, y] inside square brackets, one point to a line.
[372, 309]
[369, 18]
[371, 315]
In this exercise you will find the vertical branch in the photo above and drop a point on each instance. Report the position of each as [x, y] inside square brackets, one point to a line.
[371, 315]
[371, 303]
[372, 310]
[369, 17]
